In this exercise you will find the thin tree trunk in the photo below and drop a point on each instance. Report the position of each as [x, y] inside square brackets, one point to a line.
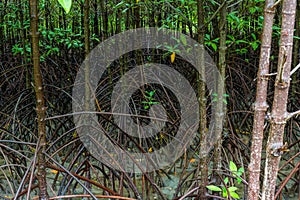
[86, 11]
[118, 21]
[96, 19]
[202, 166]
[137, 16]
[40, 102]
[104, 19]
[275, 146]
[219, 115]
[260, 105]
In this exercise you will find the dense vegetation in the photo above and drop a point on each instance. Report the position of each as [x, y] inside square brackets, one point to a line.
[66, 38]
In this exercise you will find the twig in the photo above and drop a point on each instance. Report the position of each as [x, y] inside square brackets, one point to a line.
[272, 7]
[291, 73]
[86, 195]
[290, 115]
[106, 113]
[295, 69]
[188, 193]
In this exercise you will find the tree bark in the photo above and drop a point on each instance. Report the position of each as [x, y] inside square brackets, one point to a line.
[86, 27]
[275, 147]
[104, 19]
[202, 166]
[137, 16]
[220, 107]
[260, 105]
[40, 102]
[86, 11]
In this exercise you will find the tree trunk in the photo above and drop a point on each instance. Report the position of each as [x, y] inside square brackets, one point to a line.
[137, 16]
[86, 11]
[275, 146]
[202, 166]
[219, 114]
[96, 19]
[40, 102]
[104, 19]
[260, 105]
[86, 27]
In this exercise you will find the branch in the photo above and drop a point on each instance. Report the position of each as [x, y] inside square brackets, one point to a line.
[235, 3]
[290, 115]
[272, 6]
[295, 69]
[213, 16]
[181, 14]
[291, 73]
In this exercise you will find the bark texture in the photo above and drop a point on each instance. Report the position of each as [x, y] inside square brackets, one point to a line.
[260, 105]
[40, 102]
[220, 106]
[203, 165]
[275, 146]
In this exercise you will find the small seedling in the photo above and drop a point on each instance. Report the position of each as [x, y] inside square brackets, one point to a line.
[150, 99]
[226, 189]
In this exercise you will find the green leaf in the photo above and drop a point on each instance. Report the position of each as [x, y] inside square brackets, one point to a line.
[152, 93]
[232, 189]
[183, 40]
[149, 98]
[224, 192]
[226, 180]
[253, 36]
[239, 180]
[125, 10]
[254, 45]
[242, 51]
[153, 103]
[234, 195]
[232, 167]
[214, 46]
[252, 10]
[241, 41]
[214, 188]
[231, 37]
[119, 5]
[241, 170]
[66, 4]
[207, 37]
[296, 37]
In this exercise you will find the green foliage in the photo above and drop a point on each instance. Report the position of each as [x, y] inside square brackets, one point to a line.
[215, 98]
[62, 41]
[150, 99]
[59, 37]
[226, 189]
[211, 42]
[18, 49]
[214, 188]
[66, 4]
